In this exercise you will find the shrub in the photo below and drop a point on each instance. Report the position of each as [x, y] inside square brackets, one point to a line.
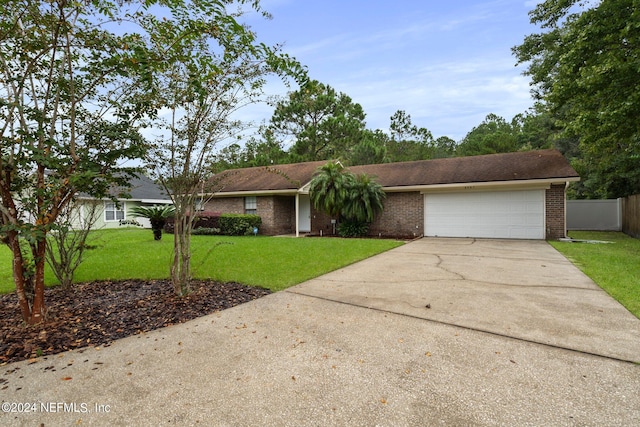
[238, 224]
[205, 219]
[205, 231]
[353, 229]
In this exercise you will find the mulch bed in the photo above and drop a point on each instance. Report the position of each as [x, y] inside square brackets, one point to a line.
[94, 314]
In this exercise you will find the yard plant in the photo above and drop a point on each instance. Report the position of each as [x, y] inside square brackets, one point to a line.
[270, 262]
[613, 266]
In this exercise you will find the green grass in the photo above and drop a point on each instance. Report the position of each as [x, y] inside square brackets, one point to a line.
[615, 267]
[270, 262]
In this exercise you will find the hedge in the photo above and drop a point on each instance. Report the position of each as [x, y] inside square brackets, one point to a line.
[238, 224]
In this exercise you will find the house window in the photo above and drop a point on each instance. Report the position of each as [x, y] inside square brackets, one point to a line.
[113, 212]
[250, 205]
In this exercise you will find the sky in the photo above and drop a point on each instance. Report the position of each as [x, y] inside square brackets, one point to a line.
[448, 64]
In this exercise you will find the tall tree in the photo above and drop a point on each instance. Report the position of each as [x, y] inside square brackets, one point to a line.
[323, 124]
[372, 149]
[68, 118]
[213, 66]
[584, 66]
[493, 135]
[408, 141]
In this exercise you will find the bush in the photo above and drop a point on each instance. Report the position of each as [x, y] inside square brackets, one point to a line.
[205, 231]
[238, 224]
[205, 219]
[353, 229]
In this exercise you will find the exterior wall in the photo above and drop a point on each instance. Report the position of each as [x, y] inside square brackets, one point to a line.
[555, 206]
[403, 216]
[321, 223]
[225, 205]
[277, 212]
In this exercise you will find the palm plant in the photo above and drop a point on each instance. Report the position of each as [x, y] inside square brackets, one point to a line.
[329, 188]
[157, 215]
[364, 199]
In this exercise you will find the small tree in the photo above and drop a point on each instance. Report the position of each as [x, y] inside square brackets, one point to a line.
[353, 198]
[364, 199]
[157, 216]
[68, 240]
[329, 188]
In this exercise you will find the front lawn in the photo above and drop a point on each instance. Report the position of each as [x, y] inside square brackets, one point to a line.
[270, 262]
[615, 267]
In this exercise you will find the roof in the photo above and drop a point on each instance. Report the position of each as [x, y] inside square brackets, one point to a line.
[142, 189]
[492, 168]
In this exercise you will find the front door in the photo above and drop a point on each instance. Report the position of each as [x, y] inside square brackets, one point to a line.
[304, 214]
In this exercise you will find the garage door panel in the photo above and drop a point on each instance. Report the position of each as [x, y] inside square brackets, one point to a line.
[500, 214]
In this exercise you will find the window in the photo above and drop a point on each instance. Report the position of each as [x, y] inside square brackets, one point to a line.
[113, 212]
[250, 205]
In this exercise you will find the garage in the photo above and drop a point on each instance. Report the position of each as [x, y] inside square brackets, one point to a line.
[489, 214]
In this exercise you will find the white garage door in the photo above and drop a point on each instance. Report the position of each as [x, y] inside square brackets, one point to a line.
[491, 214]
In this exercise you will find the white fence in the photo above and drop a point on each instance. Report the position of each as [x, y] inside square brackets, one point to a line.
[601, 215]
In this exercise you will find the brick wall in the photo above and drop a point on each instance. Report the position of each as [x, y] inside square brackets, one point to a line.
[403, 216]
[226, 205]
[277, 213]
[555, 212]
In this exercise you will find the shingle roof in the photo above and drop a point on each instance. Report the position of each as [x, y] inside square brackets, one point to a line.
[519, 166]
[142, 188]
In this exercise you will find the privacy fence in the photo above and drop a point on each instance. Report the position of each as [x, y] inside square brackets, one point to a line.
[605, 215]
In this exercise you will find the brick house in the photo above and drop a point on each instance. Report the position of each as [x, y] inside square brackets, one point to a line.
[510, 195]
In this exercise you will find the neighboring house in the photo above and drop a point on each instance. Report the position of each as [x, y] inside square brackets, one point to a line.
[110, 214]
[512, 195]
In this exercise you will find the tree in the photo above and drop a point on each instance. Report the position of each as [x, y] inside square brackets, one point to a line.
[364, 199]
[324, 124]
[70, 107]
[408, 142]
[68, 240]
[370, 150]
[344, 196]
[329, 188]
[157, 216]
[212, 67]
[493, 135]
[583, 66]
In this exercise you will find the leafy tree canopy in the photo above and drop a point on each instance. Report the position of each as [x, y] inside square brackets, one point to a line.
[584, 67]
[323, 123]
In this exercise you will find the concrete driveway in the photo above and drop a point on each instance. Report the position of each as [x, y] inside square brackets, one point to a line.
[436, 332]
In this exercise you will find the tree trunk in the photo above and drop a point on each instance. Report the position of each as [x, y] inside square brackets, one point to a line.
[181, 267]
[32, 307]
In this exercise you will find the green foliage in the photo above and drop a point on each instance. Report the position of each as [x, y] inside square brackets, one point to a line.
[205, 231]
[364, 199]
[583, 66]
[239, 224]
[329, 188]
[353, 229]
[493, 135]
[324, 124]
[62, 73]
[152, 212]
[341, 194]
[408, 141]
[157, 215]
